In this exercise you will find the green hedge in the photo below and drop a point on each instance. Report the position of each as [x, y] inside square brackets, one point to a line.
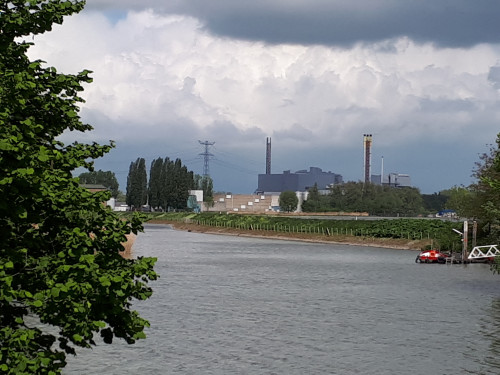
[411, 229]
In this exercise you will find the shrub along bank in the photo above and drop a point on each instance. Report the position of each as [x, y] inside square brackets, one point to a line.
[438, 232]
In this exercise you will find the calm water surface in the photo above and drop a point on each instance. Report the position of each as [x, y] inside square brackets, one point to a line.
[232, 305]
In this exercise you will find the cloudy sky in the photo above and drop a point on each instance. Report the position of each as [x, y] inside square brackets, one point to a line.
[422, 76]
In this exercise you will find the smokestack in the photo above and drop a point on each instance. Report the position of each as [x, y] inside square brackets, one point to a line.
[367, 143]
[268, 155]
[382, 172]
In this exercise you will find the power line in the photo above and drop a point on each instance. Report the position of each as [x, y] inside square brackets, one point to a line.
[233, 156]
[235, 167]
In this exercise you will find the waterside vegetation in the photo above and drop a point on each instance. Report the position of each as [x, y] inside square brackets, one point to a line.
[392, 232]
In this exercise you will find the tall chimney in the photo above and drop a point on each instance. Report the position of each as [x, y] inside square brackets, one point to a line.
[382, 172]
[367, 143]
[268, 155]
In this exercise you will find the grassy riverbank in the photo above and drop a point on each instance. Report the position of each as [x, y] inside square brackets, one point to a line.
[392, 243]
[398, 233]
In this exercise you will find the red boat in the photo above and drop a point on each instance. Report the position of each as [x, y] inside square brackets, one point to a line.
[431, 256]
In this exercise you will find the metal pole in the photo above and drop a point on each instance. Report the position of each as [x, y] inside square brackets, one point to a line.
[465, 247]
[382, 173]
[474, 233]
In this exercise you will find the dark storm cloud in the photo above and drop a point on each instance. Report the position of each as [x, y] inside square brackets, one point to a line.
[454, 23]
[448, 23]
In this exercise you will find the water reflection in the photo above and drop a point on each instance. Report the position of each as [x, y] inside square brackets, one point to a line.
[487, 352]
[231, 305]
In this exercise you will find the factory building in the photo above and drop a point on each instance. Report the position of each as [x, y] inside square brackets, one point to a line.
[301, 180]
[392, 179]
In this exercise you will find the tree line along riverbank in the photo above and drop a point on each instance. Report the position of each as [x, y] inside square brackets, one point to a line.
[402, 233]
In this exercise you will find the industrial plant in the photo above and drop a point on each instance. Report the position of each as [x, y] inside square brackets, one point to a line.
[301, 180]
[391, 179]
[270, 185]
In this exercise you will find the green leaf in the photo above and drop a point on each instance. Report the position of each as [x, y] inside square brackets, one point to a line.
[140, 335]
[45, 361]
[77, 337]
[7, 280]
[104, 280]
[43, 154]
[6, 146]
[99, 323]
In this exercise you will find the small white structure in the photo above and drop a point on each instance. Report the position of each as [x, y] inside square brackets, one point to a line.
[397, 180]
[487, 251]
[121, 208]
[111, 203]
[198, 194]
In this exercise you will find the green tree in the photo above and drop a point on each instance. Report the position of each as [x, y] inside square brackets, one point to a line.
[104, 178]
[353, 195]
[155, 184]
[60, 254]
[171, 182]
[182, 181]
[390, 203]
[137, 180]
[197, 182]
[434, 202]
[486, 198]
[207, 185]
[167, 183]
[375, 199]
[412, 203]
[312, 204]
[461, 200]
[288, 201]
[488, 193]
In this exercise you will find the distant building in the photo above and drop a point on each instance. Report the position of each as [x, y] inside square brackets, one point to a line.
[375, 179]
[299, 181]
[397, 180]
[245, 203]
[195, 200]
[447, 213]
[120, 206]
[392, 179]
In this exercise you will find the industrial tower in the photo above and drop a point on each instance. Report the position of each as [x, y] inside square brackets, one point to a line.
[206, 155]
[367, 143]
[268, 155]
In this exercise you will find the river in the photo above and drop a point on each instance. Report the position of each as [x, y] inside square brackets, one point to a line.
[236, 305]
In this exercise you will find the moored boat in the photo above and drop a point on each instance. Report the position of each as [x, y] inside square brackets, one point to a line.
[431, 256]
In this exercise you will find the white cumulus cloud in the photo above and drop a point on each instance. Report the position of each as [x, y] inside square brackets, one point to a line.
[163, 81]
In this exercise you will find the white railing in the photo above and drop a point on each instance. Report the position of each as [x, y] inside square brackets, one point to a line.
[486, 251]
